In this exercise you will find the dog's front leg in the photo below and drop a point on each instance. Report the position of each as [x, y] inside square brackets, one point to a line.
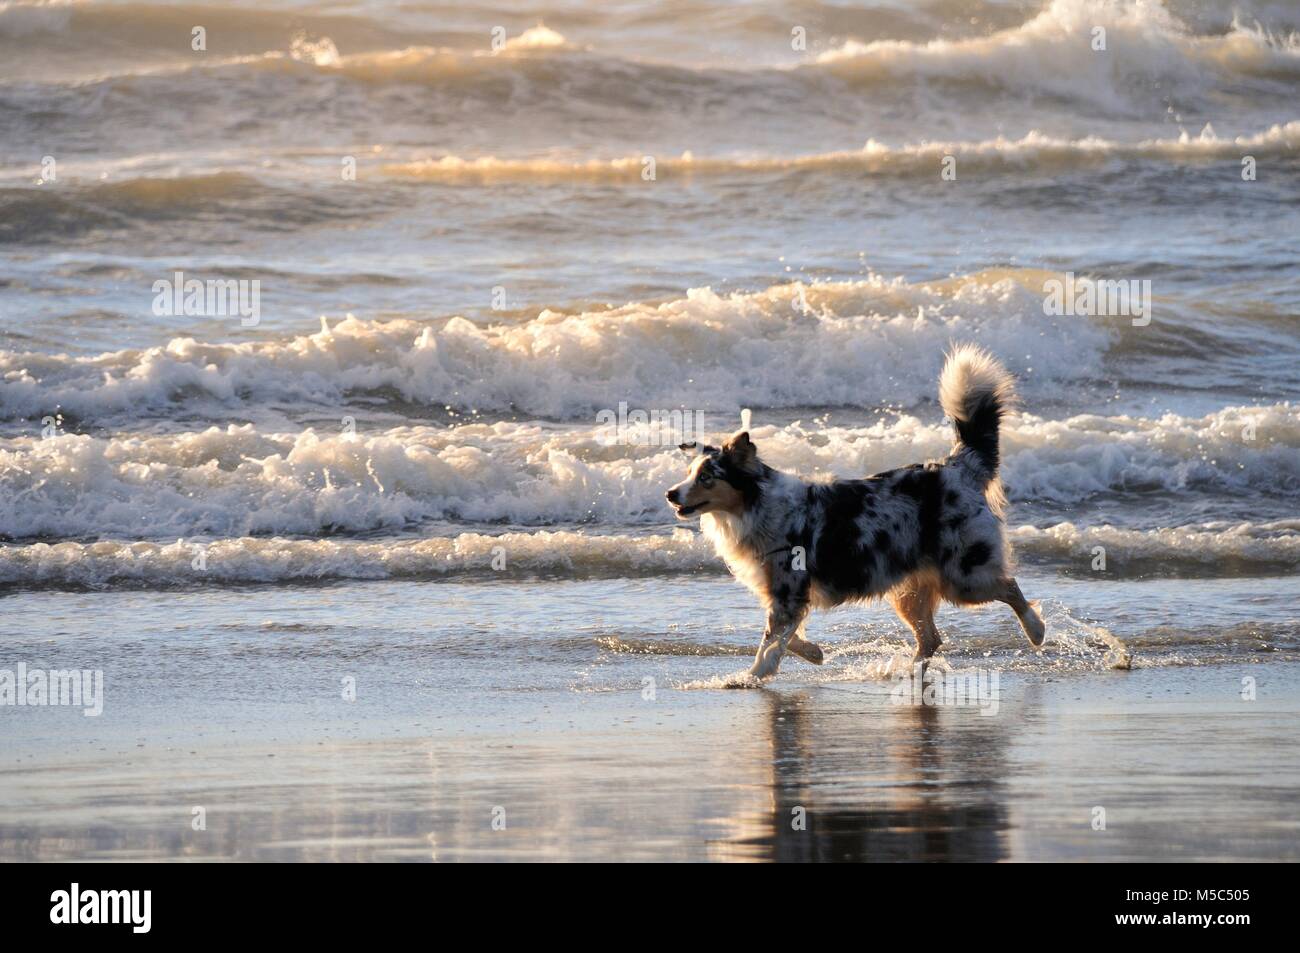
[782, 624]
[787, 606]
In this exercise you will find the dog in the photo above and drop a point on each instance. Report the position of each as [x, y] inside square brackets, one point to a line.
[915, 535]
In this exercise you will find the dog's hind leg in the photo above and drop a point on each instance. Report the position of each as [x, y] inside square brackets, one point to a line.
[914, 600]
[1002, 589]
[1026, 612]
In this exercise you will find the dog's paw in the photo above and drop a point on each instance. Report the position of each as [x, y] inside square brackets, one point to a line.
[1035, 629]
[808, 651]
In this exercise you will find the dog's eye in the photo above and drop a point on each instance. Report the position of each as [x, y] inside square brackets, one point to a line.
[704, 479]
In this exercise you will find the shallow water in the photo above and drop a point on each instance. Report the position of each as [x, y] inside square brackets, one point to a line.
[1181, 766]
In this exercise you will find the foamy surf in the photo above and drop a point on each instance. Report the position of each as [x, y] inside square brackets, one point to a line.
[1149, 49]
[1207, 550]
[788, 345]
[1221, 547]
[867, 342]
[480, 557]
[239, 480]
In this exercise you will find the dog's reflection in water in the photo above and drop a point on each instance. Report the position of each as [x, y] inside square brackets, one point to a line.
[920, 786]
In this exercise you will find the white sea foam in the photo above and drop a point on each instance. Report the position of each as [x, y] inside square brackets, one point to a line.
[1146, 48]
[470, 556]
[235, 481]
[1221, 545]
[843, 343]
[540, 37]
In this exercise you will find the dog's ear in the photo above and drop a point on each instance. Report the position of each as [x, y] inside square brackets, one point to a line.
[741, 449]
[694, 449]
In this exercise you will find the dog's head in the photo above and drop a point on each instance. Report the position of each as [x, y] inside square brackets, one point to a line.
[719, 479]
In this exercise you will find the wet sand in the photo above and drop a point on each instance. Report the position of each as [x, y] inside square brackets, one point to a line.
[1185, 769]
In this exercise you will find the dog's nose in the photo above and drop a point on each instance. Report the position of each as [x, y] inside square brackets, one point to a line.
[671, 495]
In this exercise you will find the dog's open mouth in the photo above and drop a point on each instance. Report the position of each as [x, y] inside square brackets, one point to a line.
[685, 512]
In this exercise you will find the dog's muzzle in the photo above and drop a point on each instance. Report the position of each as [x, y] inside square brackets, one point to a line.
[679, 509]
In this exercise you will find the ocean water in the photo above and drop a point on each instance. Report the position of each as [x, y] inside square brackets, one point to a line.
[468, 256]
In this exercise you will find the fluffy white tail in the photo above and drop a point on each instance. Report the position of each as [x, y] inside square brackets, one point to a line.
[976, 391]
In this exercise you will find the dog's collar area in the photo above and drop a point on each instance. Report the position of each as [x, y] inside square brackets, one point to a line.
[781, 549]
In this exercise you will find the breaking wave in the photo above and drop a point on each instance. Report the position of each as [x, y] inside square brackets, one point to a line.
[238, 481]
[835, 344]
[246, 560]
[1213, 549]
[1148, 49]
[1145, 47]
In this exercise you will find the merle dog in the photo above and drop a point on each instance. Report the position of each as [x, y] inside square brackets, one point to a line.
[915, 535]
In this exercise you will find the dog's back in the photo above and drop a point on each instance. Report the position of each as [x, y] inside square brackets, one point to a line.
[944, 518]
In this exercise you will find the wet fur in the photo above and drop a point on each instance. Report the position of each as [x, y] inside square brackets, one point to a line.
[915, 535]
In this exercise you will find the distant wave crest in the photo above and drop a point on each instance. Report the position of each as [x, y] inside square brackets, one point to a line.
[1043, 152]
